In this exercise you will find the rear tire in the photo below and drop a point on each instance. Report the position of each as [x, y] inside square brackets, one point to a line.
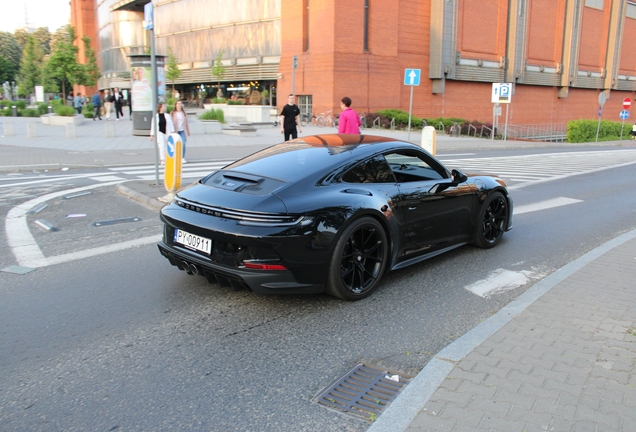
[493, 221]
[320, 122]
[359, 260]
[304, 119]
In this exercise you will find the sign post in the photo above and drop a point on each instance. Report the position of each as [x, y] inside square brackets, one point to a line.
[627, 102]
[411, 78]
[148, 18]
[501, 93]
[602, 97]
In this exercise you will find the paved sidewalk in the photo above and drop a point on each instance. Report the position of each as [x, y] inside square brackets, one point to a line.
[561, 357]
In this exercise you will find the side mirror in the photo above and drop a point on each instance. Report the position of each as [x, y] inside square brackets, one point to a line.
[458, 177]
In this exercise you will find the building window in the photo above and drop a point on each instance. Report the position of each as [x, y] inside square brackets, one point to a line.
[596, 4]
[304, 103]
[631, 10]
[366, 25]
[306, 26]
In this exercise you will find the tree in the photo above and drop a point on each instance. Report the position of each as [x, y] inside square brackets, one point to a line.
[30, 67]
[172, 69]
[218, 70]
[10, 49]
[41, 34]
[62, 64]
[90, 70]
[7, 70]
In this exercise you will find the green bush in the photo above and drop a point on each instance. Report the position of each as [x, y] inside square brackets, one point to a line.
[169, 108]
[43, 108]
[20, 104]
[6, 112]
[65, 111]
[6, 103]
[213, 114]
[235, 102]
[88, 110]
[29, 112]
[171, 101]
[219, 100]
[580, 131]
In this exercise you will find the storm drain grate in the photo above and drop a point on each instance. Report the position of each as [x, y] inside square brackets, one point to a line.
[365, 391]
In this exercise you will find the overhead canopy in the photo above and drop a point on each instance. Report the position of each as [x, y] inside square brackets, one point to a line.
[129, 5]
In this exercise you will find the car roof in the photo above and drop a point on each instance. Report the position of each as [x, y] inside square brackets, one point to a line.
[304, 157]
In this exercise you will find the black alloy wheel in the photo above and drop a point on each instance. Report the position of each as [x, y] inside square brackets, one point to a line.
[493, 221]
[359, 260]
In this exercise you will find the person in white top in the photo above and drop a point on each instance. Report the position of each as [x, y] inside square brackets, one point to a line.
[180, 121]
[165, 128]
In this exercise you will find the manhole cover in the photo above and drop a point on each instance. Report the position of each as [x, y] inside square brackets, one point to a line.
[365, 391]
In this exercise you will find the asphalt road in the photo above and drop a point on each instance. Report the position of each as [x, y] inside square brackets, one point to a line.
[124, 341]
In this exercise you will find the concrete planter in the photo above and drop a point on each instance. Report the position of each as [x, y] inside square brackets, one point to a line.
[245, 113]
[201, 127]
[55, 120]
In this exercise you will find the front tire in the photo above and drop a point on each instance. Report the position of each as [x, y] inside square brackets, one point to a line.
[359, 260]
[493, 220]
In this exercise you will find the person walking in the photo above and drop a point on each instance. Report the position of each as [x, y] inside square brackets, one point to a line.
[349, 121]
[290, 119]
[166, 127]
[97, 105]
[78, 102]
[180, 122]
[129, 104]
[633, 132]
[119, 103]
[108, 103]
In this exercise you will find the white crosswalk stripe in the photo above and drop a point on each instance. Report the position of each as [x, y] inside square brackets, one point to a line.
[544, 167]
[527, 169]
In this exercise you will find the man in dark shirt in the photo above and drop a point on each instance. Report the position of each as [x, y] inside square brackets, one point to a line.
[290, 119]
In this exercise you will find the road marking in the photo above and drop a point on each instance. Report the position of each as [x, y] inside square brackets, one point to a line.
[107, 178]
[27, 251]
[502, 280]
[544, 205]
[53, 179]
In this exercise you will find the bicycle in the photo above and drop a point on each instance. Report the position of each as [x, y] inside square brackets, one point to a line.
[307, 118]
[323, 120]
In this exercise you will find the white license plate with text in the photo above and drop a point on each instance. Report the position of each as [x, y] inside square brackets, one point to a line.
[192, 241]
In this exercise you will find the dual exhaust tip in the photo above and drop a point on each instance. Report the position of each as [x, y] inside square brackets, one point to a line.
[190, 269]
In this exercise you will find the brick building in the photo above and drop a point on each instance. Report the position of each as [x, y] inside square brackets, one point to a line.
[558, 53]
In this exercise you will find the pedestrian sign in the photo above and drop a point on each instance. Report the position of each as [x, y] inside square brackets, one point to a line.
[412, 77]
[624, 114]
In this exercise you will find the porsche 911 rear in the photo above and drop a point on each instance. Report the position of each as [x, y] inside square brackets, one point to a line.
[262, 252]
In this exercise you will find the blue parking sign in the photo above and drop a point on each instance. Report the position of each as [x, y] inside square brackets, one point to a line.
[412, 77]
[624, 114]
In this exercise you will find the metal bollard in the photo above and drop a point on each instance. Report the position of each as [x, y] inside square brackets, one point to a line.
[15, 110]
[50, 109]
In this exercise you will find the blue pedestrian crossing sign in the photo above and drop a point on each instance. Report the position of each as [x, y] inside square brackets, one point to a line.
[624, 114]
[412, 77]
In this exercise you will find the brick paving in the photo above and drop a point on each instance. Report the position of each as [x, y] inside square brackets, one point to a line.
[566, 362]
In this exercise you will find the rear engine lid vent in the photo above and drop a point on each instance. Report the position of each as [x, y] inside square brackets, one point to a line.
[242, 182]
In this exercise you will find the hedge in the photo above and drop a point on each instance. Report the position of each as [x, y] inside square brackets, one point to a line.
[579, 131]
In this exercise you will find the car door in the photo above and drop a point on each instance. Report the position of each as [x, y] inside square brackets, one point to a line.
[436, 211]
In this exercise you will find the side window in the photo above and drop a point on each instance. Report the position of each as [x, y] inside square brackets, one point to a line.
[410, 167]
[374, 170]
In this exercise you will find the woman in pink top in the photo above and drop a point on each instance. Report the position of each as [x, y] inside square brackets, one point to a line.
[349, 121]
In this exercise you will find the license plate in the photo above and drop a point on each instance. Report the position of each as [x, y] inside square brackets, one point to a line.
[192, 241]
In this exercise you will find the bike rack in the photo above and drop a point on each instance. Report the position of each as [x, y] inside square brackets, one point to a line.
[482, 131]
[376, 123]
[392, 124]
[471, 127]
[441, 128]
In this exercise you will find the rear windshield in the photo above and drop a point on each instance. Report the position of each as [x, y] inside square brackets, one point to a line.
[290, 161]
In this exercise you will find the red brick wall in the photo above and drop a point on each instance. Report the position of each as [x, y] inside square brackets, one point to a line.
[593, 38]
[545, 32]
[83, 19]
[628, 48]
[336, 64]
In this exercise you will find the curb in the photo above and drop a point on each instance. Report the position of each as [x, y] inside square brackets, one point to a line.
[401, 413]
[152, 203]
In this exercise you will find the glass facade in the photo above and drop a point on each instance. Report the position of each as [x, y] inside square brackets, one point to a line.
[247, 31]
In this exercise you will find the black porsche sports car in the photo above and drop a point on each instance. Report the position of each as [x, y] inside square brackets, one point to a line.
[329, 213]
